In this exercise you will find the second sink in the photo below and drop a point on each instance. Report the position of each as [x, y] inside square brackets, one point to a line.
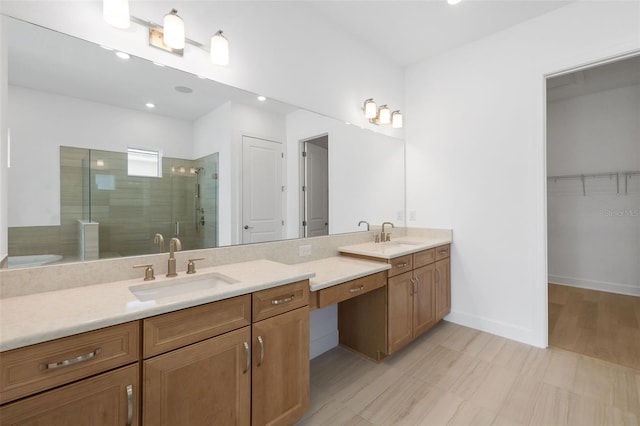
[177, 286]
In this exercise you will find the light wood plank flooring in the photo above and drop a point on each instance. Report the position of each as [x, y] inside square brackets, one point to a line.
[595, 323]
[455, 375]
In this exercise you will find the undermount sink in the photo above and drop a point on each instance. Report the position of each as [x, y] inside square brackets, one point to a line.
[177, 286]
[403, 243]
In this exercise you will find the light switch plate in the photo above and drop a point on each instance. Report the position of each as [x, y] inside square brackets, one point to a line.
[412, 215]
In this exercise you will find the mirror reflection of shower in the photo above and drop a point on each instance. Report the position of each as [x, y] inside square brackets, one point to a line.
[199, 210]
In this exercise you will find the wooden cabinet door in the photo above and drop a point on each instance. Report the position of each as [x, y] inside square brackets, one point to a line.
[424, 307]
[443, 287]
[280, 377]
[206, 383]
[109, 399]
[400, 311]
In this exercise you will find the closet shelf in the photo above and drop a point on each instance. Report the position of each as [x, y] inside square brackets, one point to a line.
[626, 176]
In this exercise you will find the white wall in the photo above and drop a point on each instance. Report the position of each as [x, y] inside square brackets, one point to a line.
[476, 156]
[366, 173]
[594, 240]
[34, 176]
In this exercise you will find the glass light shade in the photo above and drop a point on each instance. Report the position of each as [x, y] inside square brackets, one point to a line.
[384, 115]
[173, 32]
[219, 49]
[396, 119]
[370, 109]
[116, 13]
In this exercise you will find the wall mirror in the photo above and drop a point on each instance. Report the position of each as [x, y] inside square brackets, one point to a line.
[107, 152]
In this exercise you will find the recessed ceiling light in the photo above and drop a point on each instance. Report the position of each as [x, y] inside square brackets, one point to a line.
[122, 55]
[183, 89]
[202, 77]
[262, 98]
[453, 1]
[106, 47]
[158, 64]
[150, 105]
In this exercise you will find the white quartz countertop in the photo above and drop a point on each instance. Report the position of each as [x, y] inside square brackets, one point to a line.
[339, 269]
[36, 318]
[392, 249]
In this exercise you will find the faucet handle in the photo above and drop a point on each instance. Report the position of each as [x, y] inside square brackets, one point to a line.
[191, 266]
[148, 273]
[387, 237]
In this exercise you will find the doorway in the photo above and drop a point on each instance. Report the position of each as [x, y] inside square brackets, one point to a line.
[314, 175]
[262, 218]
[593, 211]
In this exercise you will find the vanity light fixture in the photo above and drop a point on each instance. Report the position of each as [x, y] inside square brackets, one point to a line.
[381, 115]
[170, 36]
[219, 49]
[370, 109]
[384, 115]
[173, 30]
[396, 119]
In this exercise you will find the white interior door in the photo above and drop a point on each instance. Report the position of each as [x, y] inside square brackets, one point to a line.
[316, 191]
[261, 190]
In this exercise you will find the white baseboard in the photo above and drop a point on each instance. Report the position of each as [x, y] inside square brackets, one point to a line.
[322, 344]
[596, 285]
[506, 330]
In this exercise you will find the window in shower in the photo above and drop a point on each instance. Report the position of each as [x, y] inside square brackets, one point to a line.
[144, 162]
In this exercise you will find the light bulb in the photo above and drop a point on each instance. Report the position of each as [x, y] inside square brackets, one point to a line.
[384, 115]
[396, 119]
[173, 30]
[116, 13]
[370, 109]
[219, 49]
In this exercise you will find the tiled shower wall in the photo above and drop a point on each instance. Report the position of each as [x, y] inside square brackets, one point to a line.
[130, 210]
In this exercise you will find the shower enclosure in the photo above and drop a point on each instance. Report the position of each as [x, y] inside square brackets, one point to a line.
[130, 210]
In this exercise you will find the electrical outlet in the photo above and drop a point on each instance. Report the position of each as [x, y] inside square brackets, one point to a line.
[412, 215]
[400, 215]
[304, 250]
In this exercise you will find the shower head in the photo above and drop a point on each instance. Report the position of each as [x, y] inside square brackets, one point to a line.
[198, 170]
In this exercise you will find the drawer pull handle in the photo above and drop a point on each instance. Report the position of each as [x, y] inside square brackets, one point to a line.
[248, 354]
[438, 275]
[443, 252]
[71, 361]
[401, 264]
[261, 360]
[129, 405]
[357, 289]
[281, 301]
[413, 287]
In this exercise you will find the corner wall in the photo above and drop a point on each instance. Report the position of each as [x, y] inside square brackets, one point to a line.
[476, 156]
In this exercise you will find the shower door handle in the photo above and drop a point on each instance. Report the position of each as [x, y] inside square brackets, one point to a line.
[177, 228]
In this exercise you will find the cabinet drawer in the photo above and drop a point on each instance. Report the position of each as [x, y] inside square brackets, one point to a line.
[45, 365]
[423, 258]
[442, 252]
[166, 332]
[338, 293]
[400, 265]
[277, 300]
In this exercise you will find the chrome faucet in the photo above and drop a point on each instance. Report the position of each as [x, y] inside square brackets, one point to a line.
[384, 236]
[159, 240]
[365, 222]
[174, 244]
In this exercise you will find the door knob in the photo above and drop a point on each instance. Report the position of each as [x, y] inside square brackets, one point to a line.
[248, 227]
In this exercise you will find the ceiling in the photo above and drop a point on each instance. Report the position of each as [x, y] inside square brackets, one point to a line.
[407, 32]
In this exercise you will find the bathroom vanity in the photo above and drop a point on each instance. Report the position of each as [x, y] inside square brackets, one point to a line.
[237, 335]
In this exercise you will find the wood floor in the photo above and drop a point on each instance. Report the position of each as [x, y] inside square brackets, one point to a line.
[455, 375]
[595, 323]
